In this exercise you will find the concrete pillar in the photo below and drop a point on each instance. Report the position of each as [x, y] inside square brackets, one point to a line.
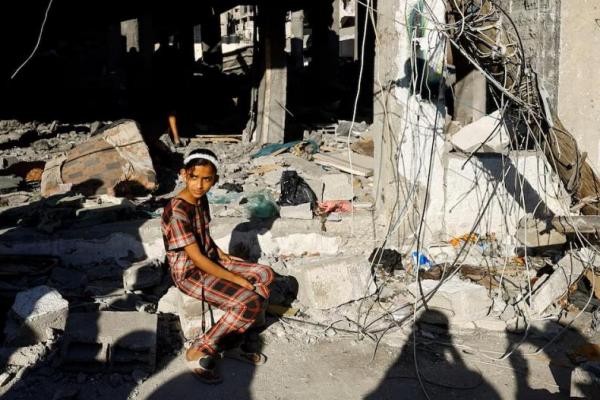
[406, 129]
[130, 30]
[212, 49]
[578, 94]
[272, 91]
[335, 27]
[297, 42]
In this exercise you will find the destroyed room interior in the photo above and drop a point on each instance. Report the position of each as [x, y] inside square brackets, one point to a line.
[327, 199]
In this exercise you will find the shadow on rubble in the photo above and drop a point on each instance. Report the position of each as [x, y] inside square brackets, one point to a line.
[245, 241]
[441, 369]
[95, 353]
[570, 352]
[445, 374]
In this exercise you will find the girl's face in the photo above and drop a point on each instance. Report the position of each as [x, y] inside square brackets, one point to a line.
[199, 179]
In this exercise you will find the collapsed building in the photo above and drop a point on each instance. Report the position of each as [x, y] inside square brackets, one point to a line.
[450, 146]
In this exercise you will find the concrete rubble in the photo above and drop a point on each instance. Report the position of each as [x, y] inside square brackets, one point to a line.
[119, 341]
[38, 312]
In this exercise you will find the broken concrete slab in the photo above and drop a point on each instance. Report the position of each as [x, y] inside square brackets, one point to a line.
[305, 168]
[169, 302]
[460, 300]
[143, 275]
[535, 233]
[329, 282]
[351, 162]
[24, 356]
[38, 311]
[568, 270]
[337, 187]
[9, 183]
[486, 135]
[505, 180]
[121, 341]
[38, 301]
[585, 381]
[118, 243]
[300, 211]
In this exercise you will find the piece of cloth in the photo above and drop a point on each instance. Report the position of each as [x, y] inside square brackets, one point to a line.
[182, 224]
[241, 306]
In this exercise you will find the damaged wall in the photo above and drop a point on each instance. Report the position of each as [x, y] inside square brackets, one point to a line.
[578, 96]
[416, 161]
[539, 25]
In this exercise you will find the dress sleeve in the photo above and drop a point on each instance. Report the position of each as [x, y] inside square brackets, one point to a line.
[180, 232]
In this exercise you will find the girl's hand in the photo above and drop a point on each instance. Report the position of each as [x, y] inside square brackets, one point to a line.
[243, 282]
[229, 258]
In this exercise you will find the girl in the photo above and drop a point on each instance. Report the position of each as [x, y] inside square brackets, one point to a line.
[202, 270]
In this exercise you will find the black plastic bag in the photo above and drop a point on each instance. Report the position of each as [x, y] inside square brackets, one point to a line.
[294, 191]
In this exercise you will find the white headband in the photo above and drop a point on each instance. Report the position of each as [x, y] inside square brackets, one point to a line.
[201, 156]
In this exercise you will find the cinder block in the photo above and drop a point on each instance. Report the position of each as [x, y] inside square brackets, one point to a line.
[460, 300]
[37, 312]
[336, 187]
[142, 275]
[119, 341]
[330, 282]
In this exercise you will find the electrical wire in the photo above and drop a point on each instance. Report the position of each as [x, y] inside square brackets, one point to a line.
[37, 44]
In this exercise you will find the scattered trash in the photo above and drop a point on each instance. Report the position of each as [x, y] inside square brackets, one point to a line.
[420, 261]
[295, 191]
[340, 206]
[274, 147]
[261, 205]
[387, 259]
[232, 187]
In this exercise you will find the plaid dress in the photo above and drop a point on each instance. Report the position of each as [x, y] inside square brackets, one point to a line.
[184, 223]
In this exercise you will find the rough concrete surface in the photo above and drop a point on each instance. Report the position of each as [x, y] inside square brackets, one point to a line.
[330, 282]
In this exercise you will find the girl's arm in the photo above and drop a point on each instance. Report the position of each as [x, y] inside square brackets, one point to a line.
[210, 267]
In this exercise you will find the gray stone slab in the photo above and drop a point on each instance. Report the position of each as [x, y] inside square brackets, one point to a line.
[329, 282]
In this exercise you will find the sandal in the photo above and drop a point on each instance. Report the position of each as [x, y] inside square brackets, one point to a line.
[246, 357]
[204, 369]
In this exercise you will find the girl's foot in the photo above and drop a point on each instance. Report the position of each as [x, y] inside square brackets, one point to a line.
[203, 366]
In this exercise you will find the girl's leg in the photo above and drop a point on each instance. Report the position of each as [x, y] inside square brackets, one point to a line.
[260, 275]
[241, 308]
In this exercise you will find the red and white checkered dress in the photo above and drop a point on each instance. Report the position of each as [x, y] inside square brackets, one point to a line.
[184, 223]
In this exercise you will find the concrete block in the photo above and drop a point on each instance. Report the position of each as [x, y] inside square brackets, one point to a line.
[143, 275]
[336, 187]
[118, 242]
[121, 341]
[532, 232]
[169, 303]
[486, 135]
[301, 211]
[38, 301]
[23, 356]
[568, 270]
[507, 181]
[330, 282]
[317, 187]
[457, 299]
[191, 326]
[585, 382]
[38, 311]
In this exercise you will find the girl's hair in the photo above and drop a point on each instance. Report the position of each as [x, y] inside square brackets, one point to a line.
[200, 161]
